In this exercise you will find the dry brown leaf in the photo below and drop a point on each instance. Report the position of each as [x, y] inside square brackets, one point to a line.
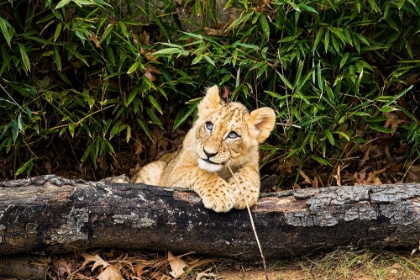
[144, 38]
[315, 182]
[48, 166]
[359, 178]
[393, 120]
[413, 173]
[206, 275]
[215, 32]
[149, 75]
[226, 93]
[64, 267]
[42, 261]
[139, 148]
[139, 270]
[110, 273]
[97, 261]
[307, 180]
[148, 72]
[177, 265]
[365, 155]
[111, 253]
[286, 167]
[94, 39]
[373, 179]
[338, 175]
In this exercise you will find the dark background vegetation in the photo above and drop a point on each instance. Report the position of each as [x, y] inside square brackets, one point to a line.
[91, 89]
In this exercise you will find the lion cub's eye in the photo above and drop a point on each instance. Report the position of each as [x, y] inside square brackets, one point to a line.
[232, 135]
[209, 126]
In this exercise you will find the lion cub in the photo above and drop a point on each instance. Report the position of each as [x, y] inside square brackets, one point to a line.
[224, 134]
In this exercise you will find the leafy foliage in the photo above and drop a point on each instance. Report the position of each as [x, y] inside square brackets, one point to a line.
[338, 73]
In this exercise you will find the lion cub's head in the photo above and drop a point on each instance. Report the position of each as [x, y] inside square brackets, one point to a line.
[228, 133]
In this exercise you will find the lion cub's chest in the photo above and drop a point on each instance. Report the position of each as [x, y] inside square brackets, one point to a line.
[181, 159]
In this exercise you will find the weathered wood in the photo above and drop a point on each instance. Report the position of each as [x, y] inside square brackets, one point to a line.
[53, 214]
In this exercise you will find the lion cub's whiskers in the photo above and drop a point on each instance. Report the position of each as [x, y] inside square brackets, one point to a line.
[252, 221]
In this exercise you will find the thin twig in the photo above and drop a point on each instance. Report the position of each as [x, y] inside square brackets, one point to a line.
[11, 98]
[252, 223]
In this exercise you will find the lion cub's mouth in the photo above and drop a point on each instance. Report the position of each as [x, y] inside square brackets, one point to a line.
[209, 165]
[209, 161]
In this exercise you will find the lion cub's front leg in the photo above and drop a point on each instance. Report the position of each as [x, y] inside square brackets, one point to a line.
[216, 193]
[249, 187]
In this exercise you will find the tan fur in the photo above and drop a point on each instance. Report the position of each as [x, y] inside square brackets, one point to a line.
[213, 181]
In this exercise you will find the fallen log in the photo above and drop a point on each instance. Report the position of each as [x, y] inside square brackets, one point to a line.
[50, 214]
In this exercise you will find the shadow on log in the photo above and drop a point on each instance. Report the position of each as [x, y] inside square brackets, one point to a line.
[50, 214]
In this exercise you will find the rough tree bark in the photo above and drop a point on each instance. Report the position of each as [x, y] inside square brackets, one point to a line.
[53, 214]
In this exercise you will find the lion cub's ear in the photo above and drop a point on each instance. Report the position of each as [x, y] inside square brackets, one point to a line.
[210, 102]
[263, 120]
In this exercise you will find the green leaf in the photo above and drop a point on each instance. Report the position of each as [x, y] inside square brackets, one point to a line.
[392, 23]
[25, 59]
[342, 134]
[62, 3]
[155, 103]
[57, 31]
[401, 4]
[86, 153]
[144, 127]
[15, 130]
[132, 95]
[321, 160]
[72, 49]
[182, 116]
[128, 135]
[134, 67]
[209, 60]
[276, 95]
[197, 59]
[171, 51]
[57, 58]
[71, 129]
[362, 38]
[330, 137]
[318, 37]
[344, 59]
[264, 25]
[124, 29]
[20, 122]
[249, 46]
[320, 80]
[3, 27]
[27, 166]
[114, 129]
[326, 41]
[161, 27]
[387, 109]
[106, 33]
[380, 128]
[308, 8]
[261, 70]
[155, 119]
[285, 81]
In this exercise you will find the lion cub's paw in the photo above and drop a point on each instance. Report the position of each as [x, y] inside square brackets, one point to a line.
[247, 190]
[240, 201]
[219, 199]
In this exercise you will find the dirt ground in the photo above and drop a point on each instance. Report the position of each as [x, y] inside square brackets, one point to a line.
[260, 274]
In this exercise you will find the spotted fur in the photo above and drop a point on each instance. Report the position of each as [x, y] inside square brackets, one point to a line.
[224, 134]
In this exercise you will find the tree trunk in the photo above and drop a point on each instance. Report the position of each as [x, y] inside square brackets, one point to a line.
[53, 214]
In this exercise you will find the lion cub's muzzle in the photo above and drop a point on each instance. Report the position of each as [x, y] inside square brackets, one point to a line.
[207, 161]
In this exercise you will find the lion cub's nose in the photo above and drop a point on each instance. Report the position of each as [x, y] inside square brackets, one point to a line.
[209, 155]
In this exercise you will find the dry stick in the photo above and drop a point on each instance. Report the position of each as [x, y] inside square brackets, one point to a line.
[252, 223]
